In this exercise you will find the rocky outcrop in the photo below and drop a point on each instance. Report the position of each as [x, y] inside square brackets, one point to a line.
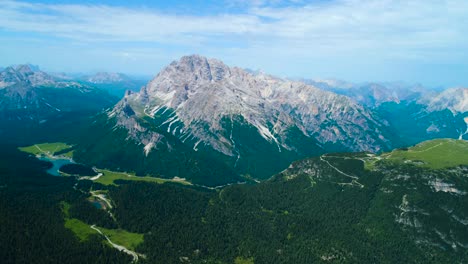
[24, 74]
[454, 99]
[203, 92]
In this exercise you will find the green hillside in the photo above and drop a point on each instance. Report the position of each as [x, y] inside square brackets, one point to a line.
[405, 206]
[435, 154]
[49, 149]
[109, 177]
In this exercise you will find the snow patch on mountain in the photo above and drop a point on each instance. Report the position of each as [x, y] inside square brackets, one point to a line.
[203, 92]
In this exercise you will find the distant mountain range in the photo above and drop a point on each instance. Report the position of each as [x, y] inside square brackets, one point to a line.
[247, 125]
[373, 94]
[253, 124]
[24, 74]
[36, 106]
[415, 111]
[106, 77]
[197, 129]
[114, 83]
[455, 100]
[28, 93]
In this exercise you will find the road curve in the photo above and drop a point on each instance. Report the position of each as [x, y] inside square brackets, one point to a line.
[118, 247]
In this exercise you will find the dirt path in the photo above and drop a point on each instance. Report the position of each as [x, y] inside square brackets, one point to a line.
[97, 176]
[353, 182]
[51, 155]
[118, 247]
[40, 149]
[419, 151]
[338, 170]
[102, 197]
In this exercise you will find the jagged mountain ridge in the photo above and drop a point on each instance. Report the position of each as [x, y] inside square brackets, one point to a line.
[27, 92]
[454, 99]
[202, 92]
[415, 113]
[25, 74]
[242, 123]
[374, 94]
[200, 113]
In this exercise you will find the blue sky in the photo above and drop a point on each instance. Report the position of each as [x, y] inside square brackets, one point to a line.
[416, 41]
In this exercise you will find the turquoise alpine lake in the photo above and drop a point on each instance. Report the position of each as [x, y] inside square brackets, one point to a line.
[57, 163]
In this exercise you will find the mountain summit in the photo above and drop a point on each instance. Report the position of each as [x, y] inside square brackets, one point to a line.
[24, 74]
[203, 92]
[455, 99]
[253, 124]
[29, 94]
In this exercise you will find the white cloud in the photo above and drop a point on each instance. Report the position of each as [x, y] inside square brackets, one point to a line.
[343, 31]
[98, 22]
[425, 24]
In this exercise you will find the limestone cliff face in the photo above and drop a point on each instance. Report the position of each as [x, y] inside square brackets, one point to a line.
[454, 99]
[200, 93]
[24, 74]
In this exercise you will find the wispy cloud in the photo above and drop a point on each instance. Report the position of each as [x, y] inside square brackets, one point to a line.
[109, 23]
[426, 30]
[425, 23]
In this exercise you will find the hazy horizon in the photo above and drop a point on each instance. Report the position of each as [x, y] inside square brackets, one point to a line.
[148, 77]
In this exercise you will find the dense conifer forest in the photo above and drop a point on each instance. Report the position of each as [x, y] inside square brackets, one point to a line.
[290, 218]
[32, 223]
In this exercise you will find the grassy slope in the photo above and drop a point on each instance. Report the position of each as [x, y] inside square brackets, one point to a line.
[118, 236]
[123, 237]
[47, 149]
[83, 231]
[241, 260]
[109, 177]
[79, 228]
[435, 154]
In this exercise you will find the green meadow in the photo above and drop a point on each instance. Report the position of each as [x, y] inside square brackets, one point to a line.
[48, 149]
[434, 154]
[109, 177]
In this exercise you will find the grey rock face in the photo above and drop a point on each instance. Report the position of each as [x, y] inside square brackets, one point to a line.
[24, 74]
[202, 92]
[373, 94]
[454, 99]
[28, 93]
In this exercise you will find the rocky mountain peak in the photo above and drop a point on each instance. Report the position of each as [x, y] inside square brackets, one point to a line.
[202, 92]
[454, 99]
[191, 69]
[26, 68]
[24, 74]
